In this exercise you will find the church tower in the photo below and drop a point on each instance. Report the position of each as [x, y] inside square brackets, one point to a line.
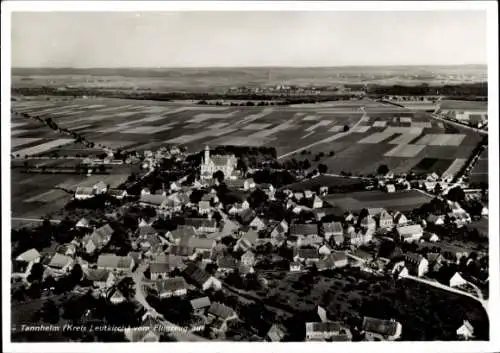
[207, 155]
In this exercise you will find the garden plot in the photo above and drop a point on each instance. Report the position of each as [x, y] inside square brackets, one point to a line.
[405, 151]
[16, 142]
[422, 124]
[360, 129]
[377, 137]
[44, 147]
[254, 117]
[112, 109]
[455, 167]
[319, 124]
[379, 124]
[18, 132]
[256, 126]
[441, 140]
[311, 118]
[147, 129]
[266, 133]
[199, 118]
[49, 196]
[404, 139]
[218, 125]
[17, 124]
[184, 139]
[336, 128]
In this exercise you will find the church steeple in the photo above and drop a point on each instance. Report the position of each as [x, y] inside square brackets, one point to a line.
[207, 155]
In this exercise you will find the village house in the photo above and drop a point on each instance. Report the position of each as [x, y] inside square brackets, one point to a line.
[68, 249]
[258, 224]
[436, 261]
[181, 234]
[155, 201]
[276, 333]
[101, 279]
[200, 278]
[456, 280]
[117, 193]
[410, 233]
[368, 223]
[324, 250]
[60, 264]
[158, 270]
[386, 330]
[362, 236]
[317, 202]
[385, 220]
[303, 229]
[211, 164]
[437, 220]
[219, 315]
[400, 219]
[112, 262]
[332, 261]
[171, 287]
[201, 245]
[247, 241]
[82, 223]
[227, 264]
[326, 331]
[148, 332]
[280, 229]
[390, 188]
[248, 259]
[416, 264]
[84, 193]
[466, 331]
[163, 264]
[309, 240]
[296, 266]
[202, 225]
[305, 255]
[25, 261]
[429, 237]
[204, 207]
[115, 296]
[200, 305]
[333, 230]
[100, 188]
[98, 239]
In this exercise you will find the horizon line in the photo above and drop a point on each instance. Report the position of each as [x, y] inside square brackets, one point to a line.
[244, 67]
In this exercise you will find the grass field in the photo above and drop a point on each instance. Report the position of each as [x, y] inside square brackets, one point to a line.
[398, 201]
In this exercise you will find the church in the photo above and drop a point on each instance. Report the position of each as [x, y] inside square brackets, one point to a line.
[209, 165]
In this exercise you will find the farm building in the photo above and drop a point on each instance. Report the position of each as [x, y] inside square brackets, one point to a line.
[210, 165]
[200, 278]
[374, 328]
[303, 229]
[169, 287]
[199, 305]
[321, 331]
[220, 315]
[202, 225]
[98, 239]
[410, 233]
[333, 230]
[416, 264]
[114, 262]
[84, 193]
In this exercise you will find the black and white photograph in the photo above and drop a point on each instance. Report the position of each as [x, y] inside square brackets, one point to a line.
[250, 174]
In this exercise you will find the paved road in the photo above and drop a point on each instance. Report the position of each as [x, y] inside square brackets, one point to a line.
[174, 330]
[328, 139]
[35, 220]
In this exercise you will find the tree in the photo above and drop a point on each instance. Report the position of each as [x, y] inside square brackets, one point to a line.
[331, 154]
[36, 273]
[438, 188]
[50, 312]
[322, 168]
[219, 176]
[346, 128]
[76, 273]
[382, 169]
[127, 287]
[456, 194]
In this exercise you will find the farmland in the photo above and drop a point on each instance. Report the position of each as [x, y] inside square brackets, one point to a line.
[479, 173]
[381, 134]
[398, 201]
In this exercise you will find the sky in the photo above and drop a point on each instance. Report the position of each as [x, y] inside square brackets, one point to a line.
[230, 39]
